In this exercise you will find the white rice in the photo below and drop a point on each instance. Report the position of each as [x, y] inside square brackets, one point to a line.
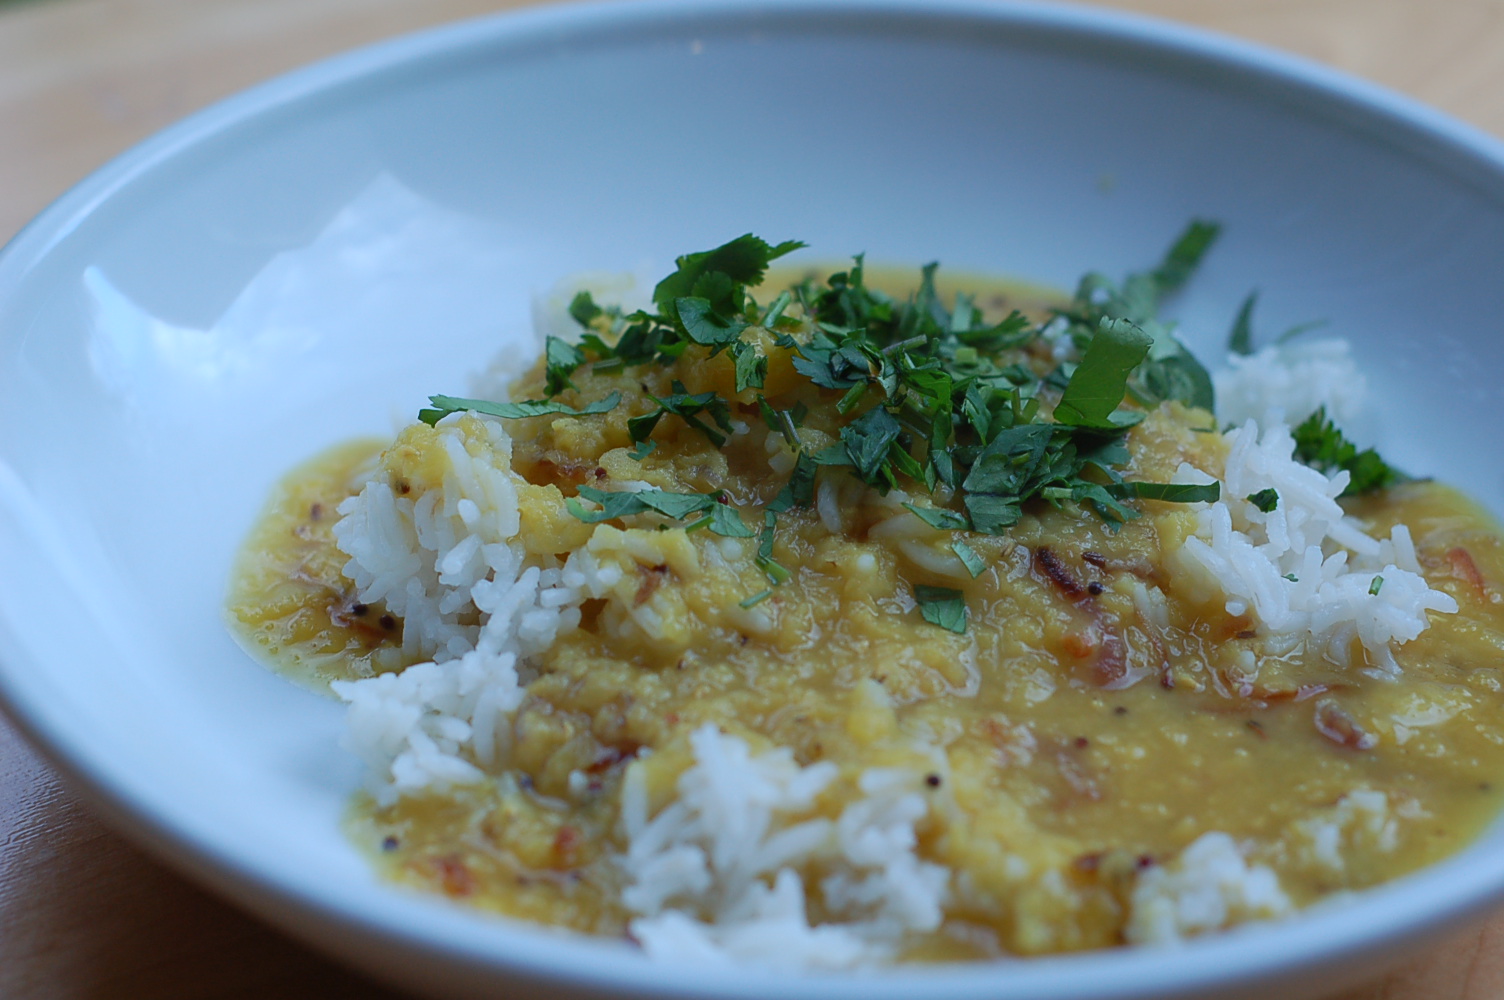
[1304, 569]
[1209, 886]
[720, 874]
[1288, 382]
[437, 558]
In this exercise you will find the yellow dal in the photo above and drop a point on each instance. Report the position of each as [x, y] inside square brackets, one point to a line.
[1062, 778]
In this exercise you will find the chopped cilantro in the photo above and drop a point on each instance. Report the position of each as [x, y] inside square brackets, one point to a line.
[1240, 339]
[1319, 444]
[938, 517]
[705, 327]
[721, 275]
[931, 396]
[973, 562]
[721, 518]
[445, 405]
[1265, 500]
[1096, 387]
[724, 519]
[1177, 492]
[561, 358]
[756, 599]
[584, 310]
[942, 606]
[687, 408]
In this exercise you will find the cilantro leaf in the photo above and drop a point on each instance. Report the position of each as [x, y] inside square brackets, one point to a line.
[990, 513]
[1176, 492]
[1097, 385]
[743, 260]
[687, 408]
[1265, 500]
[1240, 340]
[973, 562]
[561, 358]
[445, 405]
[615, 504]
[723, 519]
[583, 309]
[942, 606]
[776, 574]
[867, 439]
[938, 517]
[799, 491]
[1319, 444]
[1185, 255]
[751, 366]
[705, 326]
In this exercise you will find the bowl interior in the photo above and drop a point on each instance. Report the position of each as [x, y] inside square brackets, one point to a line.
[309, 261]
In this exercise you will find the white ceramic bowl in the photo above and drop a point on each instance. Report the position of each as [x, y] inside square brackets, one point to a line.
[306, 261]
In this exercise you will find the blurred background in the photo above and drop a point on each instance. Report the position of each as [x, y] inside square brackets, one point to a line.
[83, 913]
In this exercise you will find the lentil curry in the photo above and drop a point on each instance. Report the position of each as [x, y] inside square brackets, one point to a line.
[1086, 712]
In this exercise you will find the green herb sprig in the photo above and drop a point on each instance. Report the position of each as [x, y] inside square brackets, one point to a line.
[1319, 444]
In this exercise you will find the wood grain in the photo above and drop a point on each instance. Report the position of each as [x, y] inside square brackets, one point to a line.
[85, 914]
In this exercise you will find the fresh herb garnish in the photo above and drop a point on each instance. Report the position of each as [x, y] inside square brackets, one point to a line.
[1375, 586]
[1240, 337]
[1265, 500]
[1176, 492]
[934, 398]
[1170, 372]
[1319, 444]
[445, 405]
[942, 606]
[721, 518]
[687, 408]
[973, 562]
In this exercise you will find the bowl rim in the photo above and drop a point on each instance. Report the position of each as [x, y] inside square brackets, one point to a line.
[1404, 912]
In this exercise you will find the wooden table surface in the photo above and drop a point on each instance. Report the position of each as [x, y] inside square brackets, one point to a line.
[84, 913]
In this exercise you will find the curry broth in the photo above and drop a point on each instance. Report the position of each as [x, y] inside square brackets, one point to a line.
[1093, 719]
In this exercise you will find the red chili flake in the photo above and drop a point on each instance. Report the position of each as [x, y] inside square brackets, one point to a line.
[1081, 743]
[1333, 722]
[600, 473]
[1258, 729]
[1463, 567]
